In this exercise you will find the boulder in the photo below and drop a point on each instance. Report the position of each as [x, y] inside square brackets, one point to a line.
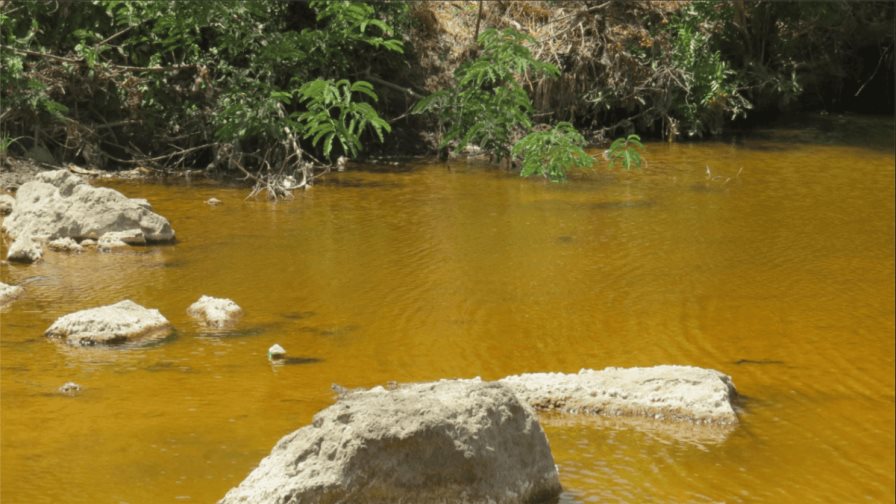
[452, 441]
[7, 203]
[215, 312]
[122, 322]
[59, 204]
[9, 293]
[680, 393]
[65, 245]
[24, 249]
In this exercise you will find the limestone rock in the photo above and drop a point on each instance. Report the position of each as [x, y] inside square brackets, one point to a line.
[7, 203]
[70, 388]
[454, 441]
[24, 249]
[60, 204]
[681, 393]
[215, 312]
[9, 293]
[276, 352]
[115, 239]
[65, 245]
[122, 322]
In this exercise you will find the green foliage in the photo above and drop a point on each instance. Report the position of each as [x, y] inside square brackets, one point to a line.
[229, 72]
[709, 88]
[552, 152]
[488, 106]
[626, 151]
[333, 114]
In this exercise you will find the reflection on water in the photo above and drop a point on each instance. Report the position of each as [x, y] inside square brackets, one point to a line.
[782, 277]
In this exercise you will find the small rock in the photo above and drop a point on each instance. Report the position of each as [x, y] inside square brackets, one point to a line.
[65, 245]
[121, 322]
[213, 201]
[276, 352]
[9, 293]
[7, 203]
[70, 388]
[24, 249]
[115, 239]
[88, 243]
[216, 312]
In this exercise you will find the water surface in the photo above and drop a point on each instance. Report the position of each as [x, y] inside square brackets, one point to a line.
[769, 257]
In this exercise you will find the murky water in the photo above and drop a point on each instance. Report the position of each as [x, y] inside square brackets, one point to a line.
[777, 268]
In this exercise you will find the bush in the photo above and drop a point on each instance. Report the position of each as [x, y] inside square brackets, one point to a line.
[552, 152]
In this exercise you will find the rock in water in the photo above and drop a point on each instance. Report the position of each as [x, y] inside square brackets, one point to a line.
[122, 322]
[70, 388]
[24, 249]
[276, 352]
[455, 441]
[60, 204]
[65, 245]
[9, 293]
[215, 312]
[682, 393]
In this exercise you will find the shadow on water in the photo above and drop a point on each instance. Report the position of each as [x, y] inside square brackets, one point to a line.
[356, 183]
[298, 315]
[255, 330]
[565, 239]
[760, 362]
[161, 366]
[329, 331]
[623, 204]
[295, 361]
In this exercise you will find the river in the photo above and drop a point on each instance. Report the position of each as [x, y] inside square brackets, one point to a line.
[768, 256]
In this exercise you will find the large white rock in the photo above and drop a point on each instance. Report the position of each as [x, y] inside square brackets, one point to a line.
[60, 204]
[457, 441]
[9, 293]
[122, 322]
[682, 393]
[24, 249]
[215, 312]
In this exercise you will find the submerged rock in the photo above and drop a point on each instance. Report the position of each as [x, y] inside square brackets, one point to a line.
[24, 249]
[452, 441]
[70, 388]
[65, 245]
[9, 293]
[122, 322]
[215, 312]
[681, 393]
[213, 201]
[60, 204]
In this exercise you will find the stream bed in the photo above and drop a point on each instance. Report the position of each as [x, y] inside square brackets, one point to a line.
[767, 256]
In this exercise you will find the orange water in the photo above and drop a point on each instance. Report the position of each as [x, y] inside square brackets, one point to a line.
[425, 271]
